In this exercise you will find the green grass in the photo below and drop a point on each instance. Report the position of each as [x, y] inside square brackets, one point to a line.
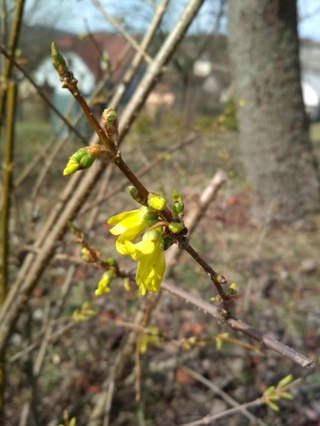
[30, 138]
[315, 132]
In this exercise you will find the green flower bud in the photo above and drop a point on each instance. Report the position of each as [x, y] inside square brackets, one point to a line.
[177, 203]
[112, 262]
[86, 255]
[126, 284]
[58, 60]
[176, 227]
[232, 290]
[167, 242]
[151, 217]
[86, 161]
[103, 284]
[135, 194]
[157, 201]
[221, 279]
[273, 406]
[284, 382]
[71, 167]
[78, 161]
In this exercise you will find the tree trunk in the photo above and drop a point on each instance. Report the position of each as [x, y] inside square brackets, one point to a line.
[276, 149]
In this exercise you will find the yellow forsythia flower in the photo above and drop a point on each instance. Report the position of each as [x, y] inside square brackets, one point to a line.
[129, 225]
[151, 262]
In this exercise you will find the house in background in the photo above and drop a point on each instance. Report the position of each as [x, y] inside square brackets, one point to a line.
[310, 77]
[90, 59]
[311, 95]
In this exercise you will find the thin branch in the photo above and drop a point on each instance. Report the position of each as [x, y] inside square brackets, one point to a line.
[160, 157]
[122, 31]
[41, 94]
[77, 190]
[50, 157]
[244, 328]
[207, 420]
[146, 305]
[194, 215]
[121, 88]
[24, 173]
[259, 401]
[70, 83]
[38, 365]
[210, 385]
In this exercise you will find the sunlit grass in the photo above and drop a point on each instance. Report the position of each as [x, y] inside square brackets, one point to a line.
[315, 132]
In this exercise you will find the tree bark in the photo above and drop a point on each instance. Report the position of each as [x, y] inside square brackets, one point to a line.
[275, 145]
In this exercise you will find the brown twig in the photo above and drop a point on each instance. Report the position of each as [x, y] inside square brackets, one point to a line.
[160, 157]
[76, 191]
[70, 83]
[244, 328]
[24, 173]
[195, 214]
[146, 305]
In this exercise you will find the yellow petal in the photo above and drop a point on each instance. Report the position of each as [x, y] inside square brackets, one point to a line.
[121, 248]
[113, 220]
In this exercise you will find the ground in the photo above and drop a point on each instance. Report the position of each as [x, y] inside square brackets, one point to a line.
[276, 270]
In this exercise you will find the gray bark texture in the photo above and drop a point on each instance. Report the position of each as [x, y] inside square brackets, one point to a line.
[275, 145]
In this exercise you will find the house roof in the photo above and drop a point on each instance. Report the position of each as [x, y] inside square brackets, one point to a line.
[91, 48]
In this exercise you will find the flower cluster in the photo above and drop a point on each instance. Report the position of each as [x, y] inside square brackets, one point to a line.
[156, 237]
[150, 257]
[149, 251]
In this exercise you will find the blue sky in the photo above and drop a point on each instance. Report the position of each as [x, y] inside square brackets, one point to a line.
[309, 13]
[79, 15]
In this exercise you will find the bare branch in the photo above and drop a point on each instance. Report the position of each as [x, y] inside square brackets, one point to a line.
[244, 328]
[122, 31]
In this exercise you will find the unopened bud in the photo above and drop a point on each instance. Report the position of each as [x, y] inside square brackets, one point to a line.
[78, 161]
[135, 194]
[58, 60]
[177, 203]
[157, 201]
[71, 167]
[176, 227]
[110, 122]
[166, 243]
[151, 217]
[86, 255]
[220, 279]
[103, 284]
[232, 290]
[126, 284]
[112, 262]
[90, 256]
[98, 151]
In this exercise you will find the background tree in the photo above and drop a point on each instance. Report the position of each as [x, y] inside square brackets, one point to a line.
[275, 145]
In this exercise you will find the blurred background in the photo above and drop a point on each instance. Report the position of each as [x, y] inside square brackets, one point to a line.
[241, 93]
